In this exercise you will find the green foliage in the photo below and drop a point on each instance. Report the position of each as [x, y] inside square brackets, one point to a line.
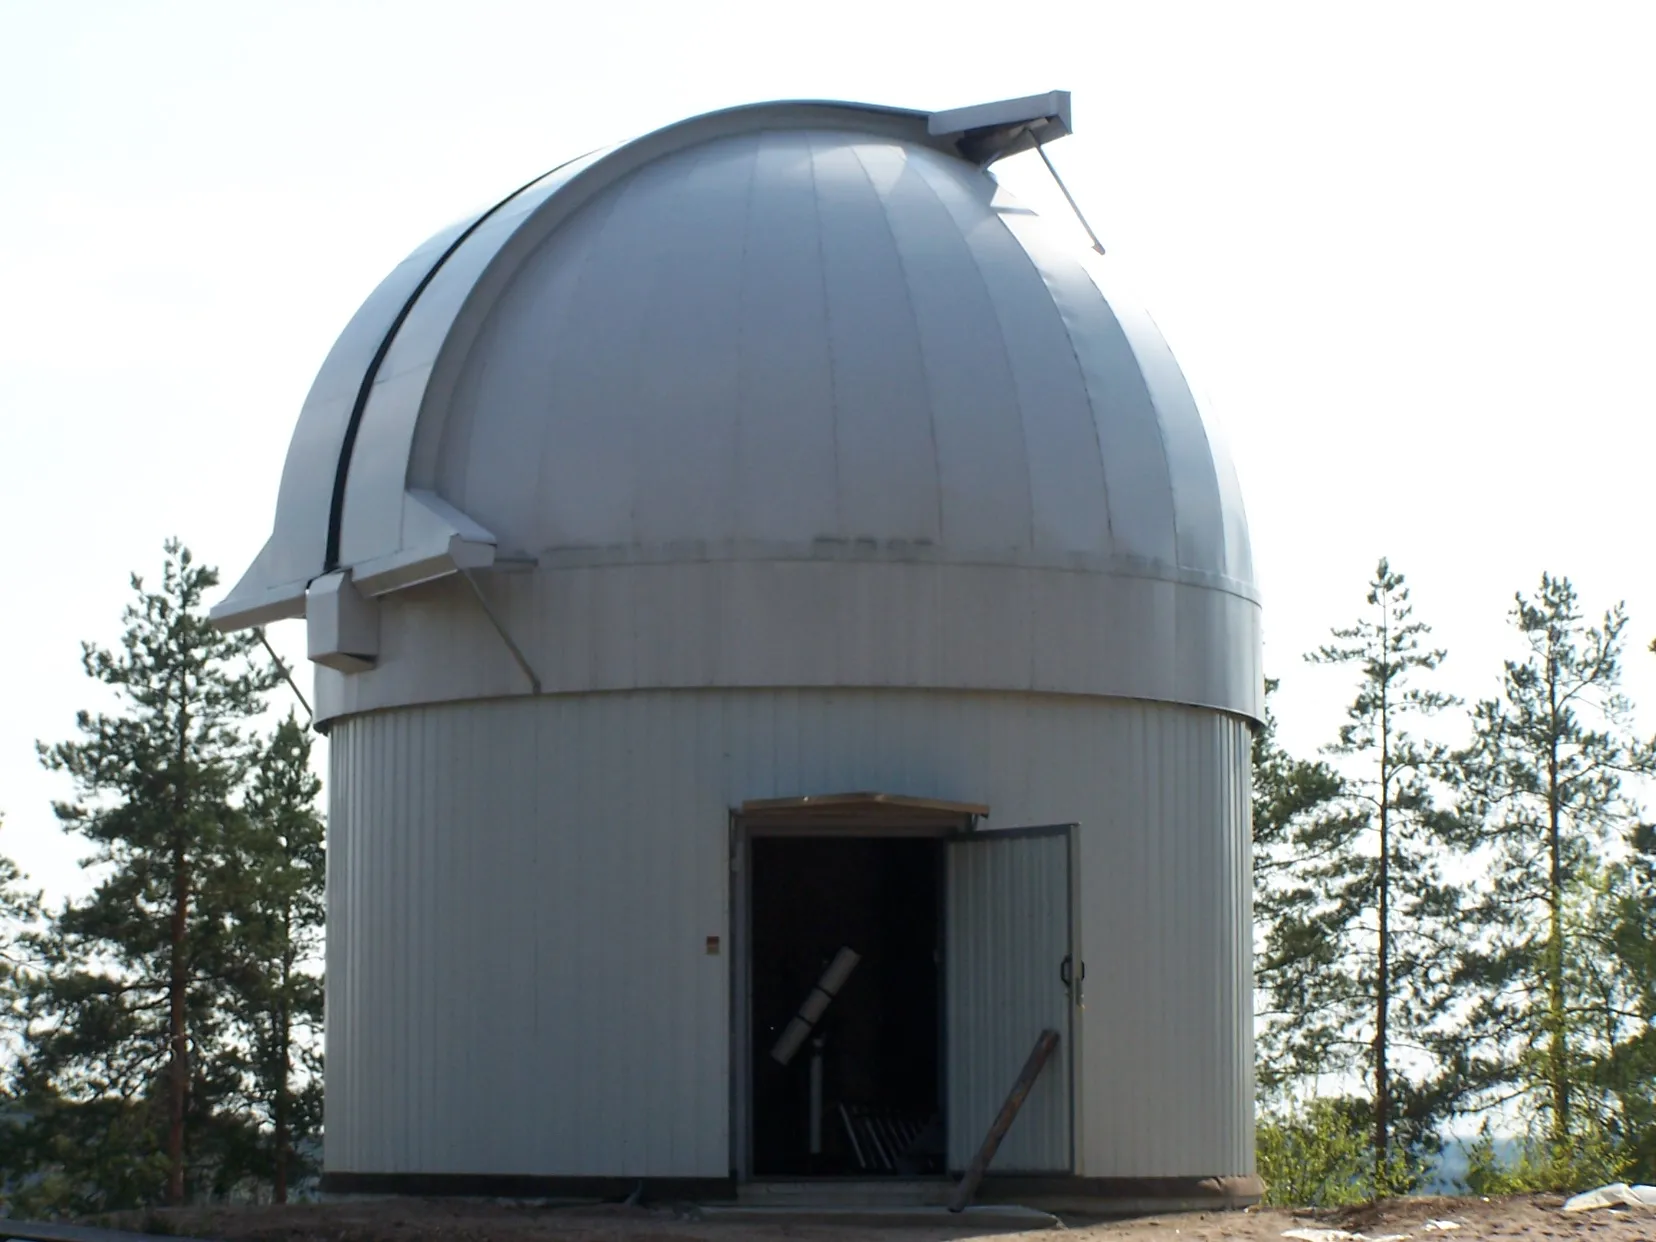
[1534, 990]
[276, 994]
[1297, 814]
[1546, 779]
[1319, 1154]
[19, 911]
[1593, 1157]
[80, 1158]
[1625, 1067]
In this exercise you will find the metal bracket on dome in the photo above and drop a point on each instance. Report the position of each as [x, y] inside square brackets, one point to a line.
[500, 628]
[1068, 197]
[987, 132]
[285, 673]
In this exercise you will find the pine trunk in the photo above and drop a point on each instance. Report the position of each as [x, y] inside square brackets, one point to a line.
[284, 1067]
[1382, 1088]
[1382, 986]
[1558, 1057]
[178, 1040]
[178, 980]
[280, 1192]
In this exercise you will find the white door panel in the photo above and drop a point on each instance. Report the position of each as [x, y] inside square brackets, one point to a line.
[1012, 971]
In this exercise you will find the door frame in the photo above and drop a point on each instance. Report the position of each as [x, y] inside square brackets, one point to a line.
[892, 822]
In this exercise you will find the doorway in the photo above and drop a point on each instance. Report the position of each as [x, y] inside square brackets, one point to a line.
[862, 1094]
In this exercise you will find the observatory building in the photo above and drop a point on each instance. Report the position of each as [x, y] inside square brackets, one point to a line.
[753, 550]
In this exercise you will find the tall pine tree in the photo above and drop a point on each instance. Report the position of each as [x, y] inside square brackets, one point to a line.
[128, 1012]
[1377, 894]
[1547, 776]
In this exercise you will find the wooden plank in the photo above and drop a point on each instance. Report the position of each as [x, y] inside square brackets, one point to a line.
[862, 801]
[1039, 1055]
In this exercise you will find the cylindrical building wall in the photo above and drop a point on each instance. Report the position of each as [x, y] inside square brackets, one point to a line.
[520, 893]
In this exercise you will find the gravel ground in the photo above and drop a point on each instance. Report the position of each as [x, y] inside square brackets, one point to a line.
[402, 1220]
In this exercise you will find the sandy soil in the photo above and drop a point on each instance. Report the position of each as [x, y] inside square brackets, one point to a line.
[1530, 1218]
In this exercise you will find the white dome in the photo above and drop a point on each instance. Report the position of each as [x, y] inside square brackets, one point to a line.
[784, 335]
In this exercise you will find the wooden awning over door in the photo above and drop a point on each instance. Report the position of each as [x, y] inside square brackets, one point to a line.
[863, 810]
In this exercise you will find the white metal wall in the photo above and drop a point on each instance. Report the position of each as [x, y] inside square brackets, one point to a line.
[520, 893]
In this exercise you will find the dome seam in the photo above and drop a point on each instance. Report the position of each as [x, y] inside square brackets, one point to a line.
[919, 338]
[1080, 368]
[1012, 385]
[828, 340]
[742, 380]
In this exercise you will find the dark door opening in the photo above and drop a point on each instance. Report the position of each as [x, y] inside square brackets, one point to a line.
[879, 1041]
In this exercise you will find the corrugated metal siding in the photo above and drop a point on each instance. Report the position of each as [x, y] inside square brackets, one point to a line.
[1167, 928]
[1009, 923]
[517, 974]
[520, 891]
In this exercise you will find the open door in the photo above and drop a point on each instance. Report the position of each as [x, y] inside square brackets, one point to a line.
[1012, 970]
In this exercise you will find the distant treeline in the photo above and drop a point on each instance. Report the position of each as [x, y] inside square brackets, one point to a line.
[1455, 916]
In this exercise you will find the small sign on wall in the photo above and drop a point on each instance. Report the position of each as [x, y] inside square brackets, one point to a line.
[712, 946]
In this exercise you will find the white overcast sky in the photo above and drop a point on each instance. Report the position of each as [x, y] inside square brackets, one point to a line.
[1404, 251]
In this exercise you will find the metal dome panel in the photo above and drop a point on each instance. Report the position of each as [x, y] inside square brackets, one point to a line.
[776, 342]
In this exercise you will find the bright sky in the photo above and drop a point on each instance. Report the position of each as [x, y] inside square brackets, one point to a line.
[1405, 253]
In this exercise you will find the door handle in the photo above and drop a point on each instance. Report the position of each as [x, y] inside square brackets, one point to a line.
[1072, 976]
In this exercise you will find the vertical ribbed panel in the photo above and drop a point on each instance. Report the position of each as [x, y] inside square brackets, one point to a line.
[519, 899]
[1167, 926]
[1009, 930]
[520, 893]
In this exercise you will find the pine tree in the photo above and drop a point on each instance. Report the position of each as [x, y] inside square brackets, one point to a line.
[276, 992]
[1545, 775]
[1383, 909]
[1297, 815]
[127, 1015]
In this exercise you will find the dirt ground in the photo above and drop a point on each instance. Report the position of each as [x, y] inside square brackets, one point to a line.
[1530, 1218]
